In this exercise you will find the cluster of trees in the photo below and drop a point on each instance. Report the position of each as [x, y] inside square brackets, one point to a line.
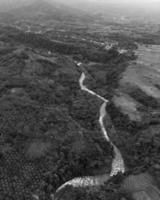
[124, 41]
[128, 42]
[144, 99]
[41, 103]
[140, 146]
[112, 189]
[37, 105]
[89, 53]
[149, 39]
[106, 76]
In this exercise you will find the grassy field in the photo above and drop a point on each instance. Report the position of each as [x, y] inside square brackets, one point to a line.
[142, 78]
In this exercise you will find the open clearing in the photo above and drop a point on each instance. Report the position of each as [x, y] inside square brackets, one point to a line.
[144, 75]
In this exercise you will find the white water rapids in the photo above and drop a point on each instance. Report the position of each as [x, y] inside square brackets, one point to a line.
[117, 163]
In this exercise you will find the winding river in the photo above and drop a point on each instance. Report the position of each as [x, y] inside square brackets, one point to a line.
[117, 163]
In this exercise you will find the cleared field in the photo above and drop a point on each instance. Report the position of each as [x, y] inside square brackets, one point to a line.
[149, 55]
[143, 76]
[128, 105]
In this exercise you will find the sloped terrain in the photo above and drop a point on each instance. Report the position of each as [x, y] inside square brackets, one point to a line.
[139, 91]
[45, 137]
[133, 89]
[49, 127]
[50, 132]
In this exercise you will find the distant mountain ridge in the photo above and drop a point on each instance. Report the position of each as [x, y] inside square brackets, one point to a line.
[6, 5]
[43, 8]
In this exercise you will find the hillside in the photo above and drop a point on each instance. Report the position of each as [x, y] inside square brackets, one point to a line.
[51, 128]
[39, 118]
[47, 120]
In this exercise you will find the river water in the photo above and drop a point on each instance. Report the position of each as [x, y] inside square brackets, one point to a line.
[117, 162]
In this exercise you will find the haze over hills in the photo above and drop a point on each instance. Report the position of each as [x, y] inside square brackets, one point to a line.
[44, 9]
[55, 125]
[123, 11]
[11, 4]
[118, 11]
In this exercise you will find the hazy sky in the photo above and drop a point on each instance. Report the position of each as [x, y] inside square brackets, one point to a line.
[141, 3]
[102, 1]
[106, 1]
[126, 1]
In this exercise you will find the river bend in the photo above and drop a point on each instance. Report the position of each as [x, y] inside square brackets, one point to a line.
[117, 162]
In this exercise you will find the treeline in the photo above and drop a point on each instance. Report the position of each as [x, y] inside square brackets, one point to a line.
[36, 102]
[95, 54]
[124, 41]
[149, 39]
[38, 41]
[130, 42]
